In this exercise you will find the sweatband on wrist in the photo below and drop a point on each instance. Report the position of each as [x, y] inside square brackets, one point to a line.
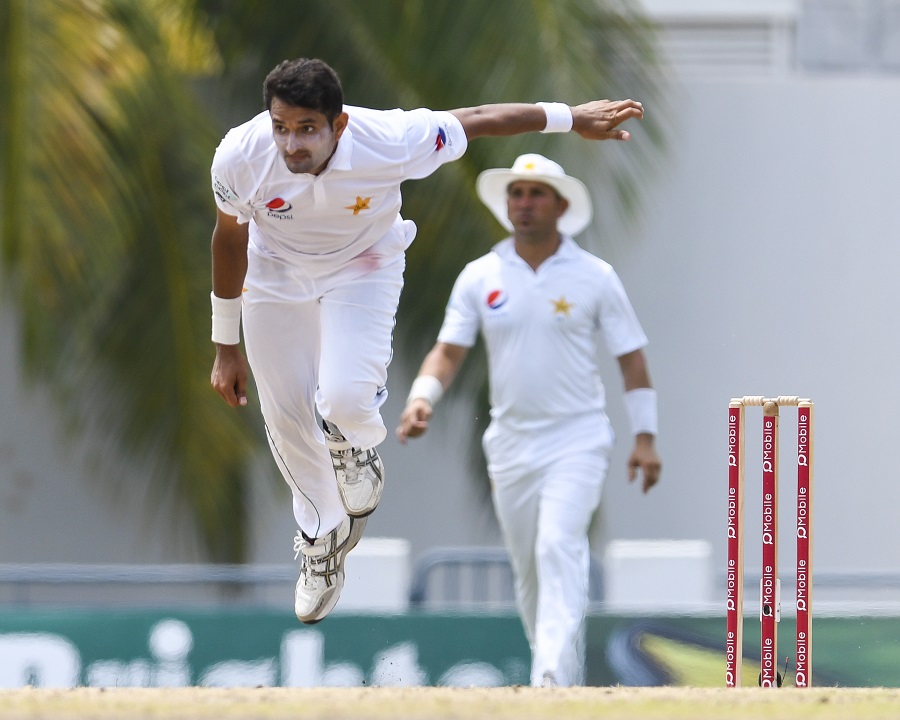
[640, 404]
[426, 387]
[226, 320]
[559, 117]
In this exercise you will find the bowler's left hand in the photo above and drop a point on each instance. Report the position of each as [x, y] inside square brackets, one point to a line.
[600, 119]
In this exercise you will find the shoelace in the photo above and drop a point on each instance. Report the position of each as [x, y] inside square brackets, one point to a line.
[299, 543]
[349, 465]
[350, 461]
[324, 565]
[353, 463]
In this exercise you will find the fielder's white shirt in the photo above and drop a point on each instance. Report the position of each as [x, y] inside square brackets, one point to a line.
[542, 330]
[319, 222]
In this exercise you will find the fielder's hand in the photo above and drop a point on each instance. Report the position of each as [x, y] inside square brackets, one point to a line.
[414, 420]
[645, 459]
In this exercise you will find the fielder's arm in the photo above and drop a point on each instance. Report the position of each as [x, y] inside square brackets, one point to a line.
[640, 401]
[437, 373]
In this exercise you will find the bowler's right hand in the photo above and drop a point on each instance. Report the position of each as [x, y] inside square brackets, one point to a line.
[414, 420]
[229, 375]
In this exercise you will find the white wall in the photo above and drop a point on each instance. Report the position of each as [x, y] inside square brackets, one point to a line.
[767, 265]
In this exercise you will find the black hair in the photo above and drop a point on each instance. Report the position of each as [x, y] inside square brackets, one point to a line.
[307, 83]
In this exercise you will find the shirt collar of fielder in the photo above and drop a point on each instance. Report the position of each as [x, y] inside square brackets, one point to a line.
[506, 249]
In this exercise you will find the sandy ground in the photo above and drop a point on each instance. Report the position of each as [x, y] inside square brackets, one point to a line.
[517, 703]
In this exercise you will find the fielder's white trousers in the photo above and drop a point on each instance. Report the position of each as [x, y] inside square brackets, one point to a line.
[320, 343]
[546, 487]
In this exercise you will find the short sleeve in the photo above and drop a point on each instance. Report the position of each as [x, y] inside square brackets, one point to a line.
[462, 320]
[225, 181]
[433, 137]
[622, 332]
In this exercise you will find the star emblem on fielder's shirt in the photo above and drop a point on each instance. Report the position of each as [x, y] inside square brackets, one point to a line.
[561, 306]
[361, 204]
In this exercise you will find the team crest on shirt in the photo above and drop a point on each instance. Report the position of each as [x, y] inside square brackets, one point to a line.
[440, 140]
[360, 205]
[279, 208]
[562, 306]
[496, 299]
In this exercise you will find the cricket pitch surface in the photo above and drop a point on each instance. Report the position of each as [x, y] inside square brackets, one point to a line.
[432, 703]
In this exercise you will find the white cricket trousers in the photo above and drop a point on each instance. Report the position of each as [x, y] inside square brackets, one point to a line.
[546, 488]
[320, 343]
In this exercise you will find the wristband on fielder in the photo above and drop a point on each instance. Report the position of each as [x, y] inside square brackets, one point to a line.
[226, 320]
[559, 117]
[426, 387]
[640, 404]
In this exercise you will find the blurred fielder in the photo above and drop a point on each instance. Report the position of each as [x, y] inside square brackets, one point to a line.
[542, 305]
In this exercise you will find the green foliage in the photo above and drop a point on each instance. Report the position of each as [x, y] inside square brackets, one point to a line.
[112, 111]
[107, 217]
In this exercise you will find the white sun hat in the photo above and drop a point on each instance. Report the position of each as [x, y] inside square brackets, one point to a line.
[492, 184]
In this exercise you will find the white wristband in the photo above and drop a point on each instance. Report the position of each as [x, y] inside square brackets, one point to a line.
[640, 404]
[426, 387]
[226, 320]
[559, 117]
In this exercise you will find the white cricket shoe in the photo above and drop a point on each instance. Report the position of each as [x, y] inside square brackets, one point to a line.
[360, 473]
[322, 569]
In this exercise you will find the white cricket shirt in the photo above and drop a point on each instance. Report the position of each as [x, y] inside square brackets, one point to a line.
[319, 222]
[542, 330]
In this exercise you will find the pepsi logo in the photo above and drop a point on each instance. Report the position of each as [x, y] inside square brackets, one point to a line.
[496, 299]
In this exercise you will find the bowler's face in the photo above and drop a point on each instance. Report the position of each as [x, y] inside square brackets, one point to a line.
[304, 137]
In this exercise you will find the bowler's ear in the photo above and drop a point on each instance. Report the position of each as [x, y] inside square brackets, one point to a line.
[340, 124]
[563, 206]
